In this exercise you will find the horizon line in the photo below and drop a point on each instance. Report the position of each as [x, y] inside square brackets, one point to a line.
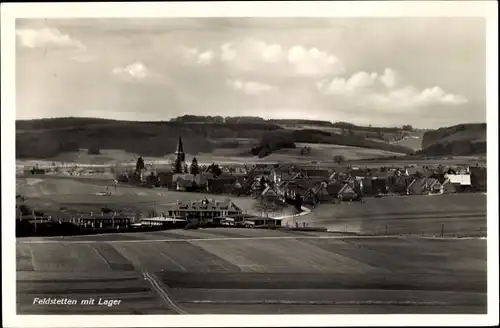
[247, 116]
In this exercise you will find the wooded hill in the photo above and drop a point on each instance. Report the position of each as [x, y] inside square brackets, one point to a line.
[45, 138]
[458, 140]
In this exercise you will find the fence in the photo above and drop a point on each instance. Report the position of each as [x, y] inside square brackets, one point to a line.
[421, 230]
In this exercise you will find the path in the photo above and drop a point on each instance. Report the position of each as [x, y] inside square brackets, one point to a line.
[164, 295]
[68, 241]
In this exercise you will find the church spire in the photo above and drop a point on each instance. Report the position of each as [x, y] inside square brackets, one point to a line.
[180, 157]
[180, 148]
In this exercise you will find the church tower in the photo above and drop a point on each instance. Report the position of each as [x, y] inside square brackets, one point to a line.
[180, 157]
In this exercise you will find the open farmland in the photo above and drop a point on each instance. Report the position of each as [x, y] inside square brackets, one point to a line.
[50, 193]
[405, 160]
[461, 214]
[237, 271]
[327, 151]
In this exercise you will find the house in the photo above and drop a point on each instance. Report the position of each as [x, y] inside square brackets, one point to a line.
[270, 194]
[278, 176]
[449, 187]
[441, 177]
[411, 170]
[398, 184]
[321, 193]
[281, 189]
[310, 196]
[202, 209]
[222, 184]
[382, 175]
[186, 181]
[240, 180]
[165, 179]
[293, 190]
[460, 179]
[380, 186]
[183, 184]
[163, 222]
[305, 183]
[251, 222]
[422, 186]
[318, 173]
[366, 186]
[343, 192]
[457, 183]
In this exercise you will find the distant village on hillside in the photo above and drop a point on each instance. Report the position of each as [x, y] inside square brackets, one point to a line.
[308, 184]
[274, 186]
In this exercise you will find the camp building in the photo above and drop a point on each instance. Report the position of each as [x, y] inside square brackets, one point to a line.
[202, 209]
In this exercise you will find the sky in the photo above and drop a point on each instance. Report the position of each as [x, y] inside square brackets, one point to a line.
[426, 72]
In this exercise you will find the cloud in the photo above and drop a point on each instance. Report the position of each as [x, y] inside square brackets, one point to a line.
[390, 78]
[47, 37]
[136, 71]
[313, 62]
[253, 55]
[249, 87]
[386, 91]
[205, 58]
[200, 57]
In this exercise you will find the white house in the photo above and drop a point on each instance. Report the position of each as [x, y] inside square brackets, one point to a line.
[460, 179]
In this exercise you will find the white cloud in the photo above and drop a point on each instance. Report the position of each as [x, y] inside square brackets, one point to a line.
[385, 90]
[200, 57]
[252, 54]
[136, 70]
[390, 78]
[313, 62]
[205, 58]
[47, 37]
[249, 87]
[227, 53]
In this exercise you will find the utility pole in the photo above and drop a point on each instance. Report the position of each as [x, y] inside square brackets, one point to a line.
[34, 215]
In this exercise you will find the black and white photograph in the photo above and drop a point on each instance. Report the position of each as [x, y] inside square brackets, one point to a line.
[250, 165]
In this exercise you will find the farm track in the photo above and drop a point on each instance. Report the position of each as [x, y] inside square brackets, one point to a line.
[256, 274]
[228, 270]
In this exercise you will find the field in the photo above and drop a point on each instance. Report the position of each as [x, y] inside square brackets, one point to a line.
[249, 271]
[50, 193]
[461, 214]
[240, 154]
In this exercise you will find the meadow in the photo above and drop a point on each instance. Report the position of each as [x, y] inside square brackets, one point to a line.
[242, 271]
[458, 215]
[81, 195]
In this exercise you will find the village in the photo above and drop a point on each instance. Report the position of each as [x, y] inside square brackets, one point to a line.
[273, 186]
[312, 185]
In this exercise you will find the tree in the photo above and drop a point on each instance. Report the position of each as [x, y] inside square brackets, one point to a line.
[407, 128]
[139, 165]
[177, 166]
[338, 159]
[263, 206]
[185, 169]
[262, 183]
[215, 170]
[94, 151]
[152, 179]
[298, 202]
[194, 169]
[380, 134]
